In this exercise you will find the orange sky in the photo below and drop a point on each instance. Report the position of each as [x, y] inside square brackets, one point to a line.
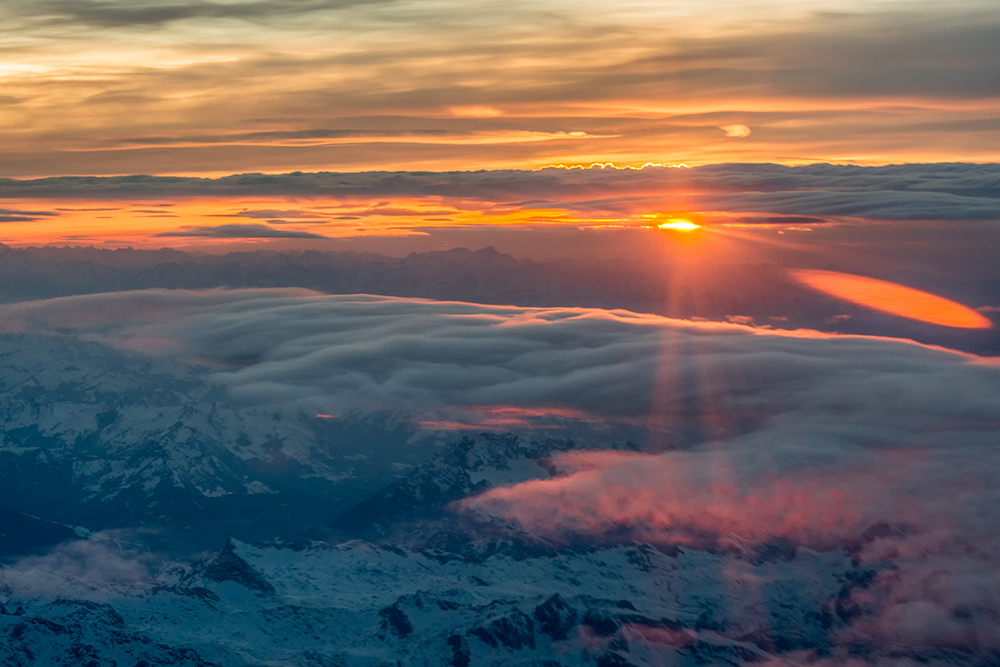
[212, 88]
[179, 222]
[310, 209]
[220, 87]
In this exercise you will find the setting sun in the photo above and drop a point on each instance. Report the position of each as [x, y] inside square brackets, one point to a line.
[679, 224]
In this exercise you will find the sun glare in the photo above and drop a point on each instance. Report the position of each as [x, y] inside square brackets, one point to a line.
[679, 224]
[892, 298]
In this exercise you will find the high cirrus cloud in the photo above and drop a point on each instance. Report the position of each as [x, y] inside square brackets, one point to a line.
[112, 14]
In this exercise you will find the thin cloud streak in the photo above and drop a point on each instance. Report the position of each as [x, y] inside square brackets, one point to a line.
[111, 14]
[238, 231]
[335, 137]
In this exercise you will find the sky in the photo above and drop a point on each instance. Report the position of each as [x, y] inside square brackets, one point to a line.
[200, 87]
[844, 151]
[819, 137]
[213, 89]
[848, 145]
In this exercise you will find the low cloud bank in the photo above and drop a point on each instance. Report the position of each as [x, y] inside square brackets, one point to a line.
[334, 354]
[882, 447]
[895, 192]
[106, 564]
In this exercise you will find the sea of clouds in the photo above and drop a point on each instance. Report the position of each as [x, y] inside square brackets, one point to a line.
[881, 446]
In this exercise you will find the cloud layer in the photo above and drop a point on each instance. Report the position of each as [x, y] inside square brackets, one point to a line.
[371, 352]
[897, 192]
[882, 447]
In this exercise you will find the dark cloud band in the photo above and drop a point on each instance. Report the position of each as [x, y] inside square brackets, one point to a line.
[898, 192]
[236, 231]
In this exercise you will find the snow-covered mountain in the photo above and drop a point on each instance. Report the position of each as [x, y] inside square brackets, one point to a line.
[414, 507]
[361, 604]
[97, 437]
[438, 589]
[345, 541]
[374, 605]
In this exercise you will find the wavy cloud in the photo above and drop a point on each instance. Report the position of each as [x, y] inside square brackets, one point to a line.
[364, 352]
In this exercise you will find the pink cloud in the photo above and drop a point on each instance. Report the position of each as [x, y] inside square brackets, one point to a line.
[680, 498]
[707, 498]
[929, 541]
[663, 636]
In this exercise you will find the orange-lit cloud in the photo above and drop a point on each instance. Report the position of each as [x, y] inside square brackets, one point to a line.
[910, 519]
[737, 131]
[135, 209]
[475, 111]
[892, 298]
[262, 81]
[320, 137]
[683, 499]
[507, 418]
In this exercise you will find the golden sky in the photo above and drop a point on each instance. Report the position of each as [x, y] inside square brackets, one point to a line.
[104, 87]
[432, 210]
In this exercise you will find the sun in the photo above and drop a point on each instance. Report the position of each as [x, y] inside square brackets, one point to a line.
[679, 224]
